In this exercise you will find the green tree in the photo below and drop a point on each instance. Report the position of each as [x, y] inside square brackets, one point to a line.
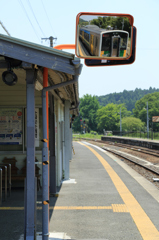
[132, 124]
[82, 22]
[140, 110]
[88, 110]
[108, 117]
[116, 23]
[127, 97]
[76, 125]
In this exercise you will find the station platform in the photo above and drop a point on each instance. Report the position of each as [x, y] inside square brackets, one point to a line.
[103, 200]
[142, 142]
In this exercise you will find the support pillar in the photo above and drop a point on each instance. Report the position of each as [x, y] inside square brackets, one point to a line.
[52, 146]
[30, 225]
[67, 139]
[45, 168]
[45, 161]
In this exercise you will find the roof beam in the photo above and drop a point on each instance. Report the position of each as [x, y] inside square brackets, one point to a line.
[39, 55]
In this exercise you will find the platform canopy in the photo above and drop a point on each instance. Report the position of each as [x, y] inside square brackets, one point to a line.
[19, 55]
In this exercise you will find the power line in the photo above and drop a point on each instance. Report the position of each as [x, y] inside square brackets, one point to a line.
[48, 17]
[4, 28]
[35, 17]
[28, 18]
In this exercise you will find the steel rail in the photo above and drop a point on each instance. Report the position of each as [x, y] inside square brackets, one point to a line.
[133, 161]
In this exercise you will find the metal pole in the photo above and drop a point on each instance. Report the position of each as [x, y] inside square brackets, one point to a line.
[5, 186]
[147, 121]
[52, 165]
[45, 176]
[45, 160]
[29, 231]
[51, 41]
[4, 171]
[120, 124]
[51, 38]
[9, 178]
[0, 186]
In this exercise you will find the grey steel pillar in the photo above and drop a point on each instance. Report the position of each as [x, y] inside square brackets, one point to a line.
[29, 231]
[71, 150]
[45, 176]
[52, 146]
[9, 178]
[63, 149]
[120, 124]
[0, 186]
[147, 121]
[67, 139]
[5, 180]
[45, 161]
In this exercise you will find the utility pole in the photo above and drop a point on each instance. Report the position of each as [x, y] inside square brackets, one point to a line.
[147, 121]
[51, 40]
[123, 24]
[120, 124]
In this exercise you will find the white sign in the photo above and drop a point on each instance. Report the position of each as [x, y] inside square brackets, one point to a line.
[10, 126]
[36, 126]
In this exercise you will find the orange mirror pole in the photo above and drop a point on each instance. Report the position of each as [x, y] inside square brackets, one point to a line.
[65, 46]
[45, 84]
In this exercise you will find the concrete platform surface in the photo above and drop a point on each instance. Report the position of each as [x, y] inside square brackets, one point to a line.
[104, 199]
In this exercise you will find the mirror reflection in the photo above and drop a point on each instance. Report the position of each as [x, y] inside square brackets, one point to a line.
[103, 37]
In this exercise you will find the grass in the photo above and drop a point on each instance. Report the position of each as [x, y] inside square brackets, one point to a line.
[78, 136]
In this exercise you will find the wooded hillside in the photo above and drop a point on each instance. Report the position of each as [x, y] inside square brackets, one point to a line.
[127, 97]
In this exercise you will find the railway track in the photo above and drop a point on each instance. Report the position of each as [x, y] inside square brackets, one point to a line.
[148, 151]
[136, 160]
[152, 152]
[144, 161]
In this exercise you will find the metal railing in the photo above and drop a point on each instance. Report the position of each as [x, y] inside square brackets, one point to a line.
[5, 177]
[0, 186]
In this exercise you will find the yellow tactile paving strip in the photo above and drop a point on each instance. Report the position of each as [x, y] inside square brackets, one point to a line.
[119, 208]
[11, 208]
[114, 207]
[145, 226]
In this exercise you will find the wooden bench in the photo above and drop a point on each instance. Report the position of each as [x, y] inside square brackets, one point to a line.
[19, 176]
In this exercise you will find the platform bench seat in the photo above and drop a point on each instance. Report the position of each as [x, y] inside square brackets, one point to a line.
[20, 176]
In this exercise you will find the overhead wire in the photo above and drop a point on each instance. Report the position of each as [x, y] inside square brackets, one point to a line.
[35, 17]
[21, 3]
[4, 28]
[48, 18]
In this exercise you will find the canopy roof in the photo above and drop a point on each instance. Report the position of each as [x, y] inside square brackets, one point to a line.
[62, 66]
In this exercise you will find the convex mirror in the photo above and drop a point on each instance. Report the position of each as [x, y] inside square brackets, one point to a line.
[104, 36]
[104, 62]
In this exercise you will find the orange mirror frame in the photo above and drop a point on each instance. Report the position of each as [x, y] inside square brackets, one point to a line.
[104, 36]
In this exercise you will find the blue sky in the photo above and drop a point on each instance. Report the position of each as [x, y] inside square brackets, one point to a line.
[32, 20]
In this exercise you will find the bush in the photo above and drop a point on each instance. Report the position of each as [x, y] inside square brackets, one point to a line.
[93, 132]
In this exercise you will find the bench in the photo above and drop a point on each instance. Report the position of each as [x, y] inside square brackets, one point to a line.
[37, 175]
[19, 176]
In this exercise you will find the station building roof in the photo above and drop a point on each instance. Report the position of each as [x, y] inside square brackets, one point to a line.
[62, 66]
